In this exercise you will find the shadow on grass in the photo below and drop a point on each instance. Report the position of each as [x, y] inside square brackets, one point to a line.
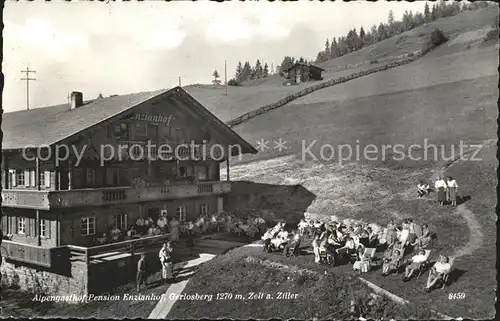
[463, 199]
[273, 202]
[455, 275]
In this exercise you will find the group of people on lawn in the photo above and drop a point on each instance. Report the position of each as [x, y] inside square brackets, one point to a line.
[446, 190]
[357, 242]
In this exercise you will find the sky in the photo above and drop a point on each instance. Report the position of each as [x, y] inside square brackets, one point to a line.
[119, 48]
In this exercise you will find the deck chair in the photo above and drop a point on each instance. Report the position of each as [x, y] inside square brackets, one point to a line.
[424, 264]
[447, 275]
[371, 252]
[294, 251]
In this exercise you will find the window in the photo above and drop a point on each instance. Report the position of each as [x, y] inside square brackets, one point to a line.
[19, 177]
[88, 226]
[202, 173]
[121, 221]
[122, 131]
[140, 132]
[43, 228]
[181, 213]
[203, 209]
[90, 176]
[21, 225]
[41, 175]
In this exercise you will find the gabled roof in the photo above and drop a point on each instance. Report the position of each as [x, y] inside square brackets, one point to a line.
[50, 125]
[305, 65]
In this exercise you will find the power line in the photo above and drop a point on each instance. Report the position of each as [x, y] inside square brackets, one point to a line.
[27, 79]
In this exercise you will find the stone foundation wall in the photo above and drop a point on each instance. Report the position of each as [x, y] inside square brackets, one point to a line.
[40, 281]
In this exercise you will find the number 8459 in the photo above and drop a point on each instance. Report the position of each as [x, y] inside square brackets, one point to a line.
[456, 296]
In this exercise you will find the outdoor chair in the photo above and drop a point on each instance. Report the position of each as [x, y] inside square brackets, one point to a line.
[446, 276]
[294, 251]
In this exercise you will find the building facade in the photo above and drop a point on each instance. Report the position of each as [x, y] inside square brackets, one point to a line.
[303, 72]
[73, 171]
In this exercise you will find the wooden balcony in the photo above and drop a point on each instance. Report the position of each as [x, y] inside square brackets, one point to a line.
[25, 199]
[30, 254]
[45, 200]
[115, 251]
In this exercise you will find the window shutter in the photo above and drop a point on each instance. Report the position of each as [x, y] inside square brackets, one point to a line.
[47, 178]
[5, 224]
[13, 178]
[27, 226]
[33, 178]
[47, 228]
[26, 178]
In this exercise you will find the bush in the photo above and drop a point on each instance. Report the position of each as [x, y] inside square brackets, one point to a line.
[233, 82]
[438, 38]
[372, 62]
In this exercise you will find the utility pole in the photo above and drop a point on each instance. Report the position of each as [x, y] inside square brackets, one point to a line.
[225, 74]
[27, 79]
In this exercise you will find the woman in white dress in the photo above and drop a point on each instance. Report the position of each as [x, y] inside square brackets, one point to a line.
[165, 256]
[452, 191]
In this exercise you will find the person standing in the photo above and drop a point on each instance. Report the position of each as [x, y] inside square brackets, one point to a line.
[440, 186]
[174, 229]
[452, 190]
[166, 262]
[162, 224]
[141, 277]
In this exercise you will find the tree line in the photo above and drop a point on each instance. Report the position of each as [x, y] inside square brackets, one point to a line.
[355, 40]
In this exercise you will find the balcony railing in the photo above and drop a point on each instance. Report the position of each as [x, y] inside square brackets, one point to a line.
[25, 198]
[29, 253]
[46, 200]
[97, 254]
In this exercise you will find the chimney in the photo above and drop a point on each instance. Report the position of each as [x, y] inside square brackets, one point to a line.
[76, 99]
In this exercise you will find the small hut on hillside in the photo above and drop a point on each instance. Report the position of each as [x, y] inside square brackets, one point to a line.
[300, 72]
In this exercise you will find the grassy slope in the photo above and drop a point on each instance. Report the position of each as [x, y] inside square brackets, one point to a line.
[319, 295]
[261, 92]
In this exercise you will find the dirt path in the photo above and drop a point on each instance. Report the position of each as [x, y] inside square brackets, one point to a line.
[476, 235]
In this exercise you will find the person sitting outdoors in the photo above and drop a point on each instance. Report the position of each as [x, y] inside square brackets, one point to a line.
[423, 189]
[280, 240]
[116, 234]
[364, 237]
[302, 226]
[364, 263]
[412, 236]
[372, 237]
[437, 272]
[292, 244]
[131, 232]
[425, 240]
[154, 230]
[391, 264]
[102, 239]
[149, 222]
[359, 259]
[139, 223]
[414, 264]
[162, 224]
[405, 233]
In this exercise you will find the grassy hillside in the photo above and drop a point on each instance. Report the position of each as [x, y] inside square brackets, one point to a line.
[243, 99]
[447, 98]
[316, 294]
